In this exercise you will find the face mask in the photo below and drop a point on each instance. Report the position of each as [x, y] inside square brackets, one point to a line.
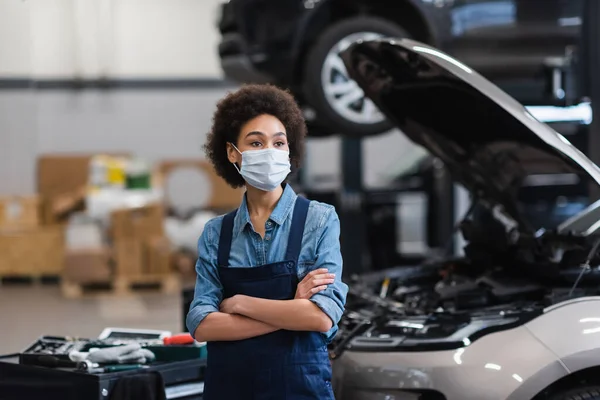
[264, 169]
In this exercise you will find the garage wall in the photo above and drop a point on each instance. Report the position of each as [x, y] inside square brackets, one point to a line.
[108, 38]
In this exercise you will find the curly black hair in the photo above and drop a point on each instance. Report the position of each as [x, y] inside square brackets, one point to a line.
[243, 105]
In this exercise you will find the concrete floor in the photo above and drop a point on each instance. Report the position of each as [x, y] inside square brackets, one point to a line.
[27, 312]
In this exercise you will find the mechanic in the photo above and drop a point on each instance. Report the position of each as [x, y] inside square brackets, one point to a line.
[268, 294]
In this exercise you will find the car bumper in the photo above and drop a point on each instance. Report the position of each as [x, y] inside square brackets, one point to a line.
[507, 365]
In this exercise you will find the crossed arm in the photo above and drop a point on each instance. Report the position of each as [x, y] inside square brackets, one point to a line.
[315, 307]
[241, 317]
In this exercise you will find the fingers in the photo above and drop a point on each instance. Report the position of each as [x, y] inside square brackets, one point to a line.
[319, 282]
[323, 276]
[308, 294]
[315, 281]
[318, 289]
[316, 272]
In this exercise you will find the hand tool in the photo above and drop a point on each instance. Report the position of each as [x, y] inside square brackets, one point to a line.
[87, 365]
[111, 368]
[183, 338]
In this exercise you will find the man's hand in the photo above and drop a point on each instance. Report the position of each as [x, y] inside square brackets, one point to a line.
[230, 305]
[314, 282]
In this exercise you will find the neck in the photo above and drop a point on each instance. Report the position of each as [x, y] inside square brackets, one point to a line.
[261, 203]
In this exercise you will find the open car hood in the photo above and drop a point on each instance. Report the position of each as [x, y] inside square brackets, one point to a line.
[489, 142]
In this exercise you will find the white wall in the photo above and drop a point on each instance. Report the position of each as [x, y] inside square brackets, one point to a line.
[109, 38]
[15, 38]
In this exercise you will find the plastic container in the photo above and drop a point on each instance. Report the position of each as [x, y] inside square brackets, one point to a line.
[137, 175]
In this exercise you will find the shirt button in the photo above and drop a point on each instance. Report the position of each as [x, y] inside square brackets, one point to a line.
[269, 224]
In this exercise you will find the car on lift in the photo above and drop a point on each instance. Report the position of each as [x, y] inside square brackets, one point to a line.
[517, 316]
[525, 44]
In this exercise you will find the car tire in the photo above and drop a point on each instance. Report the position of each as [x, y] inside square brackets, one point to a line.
[361, 117]
[582, 393]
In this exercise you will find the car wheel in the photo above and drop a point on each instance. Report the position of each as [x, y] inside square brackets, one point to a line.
[582, 393]
[338, 101]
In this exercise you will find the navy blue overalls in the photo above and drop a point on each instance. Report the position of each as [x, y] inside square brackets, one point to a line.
[281, 365]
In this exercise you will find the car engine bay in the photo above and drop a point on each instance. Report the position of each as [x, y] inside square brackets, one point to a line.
[504, 279]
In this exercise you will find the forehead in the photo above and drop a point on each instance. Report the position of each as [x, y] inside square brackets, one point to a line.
[265, 123]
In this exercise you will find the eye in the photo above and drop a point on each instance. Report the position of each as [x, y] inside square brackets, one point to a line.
[256, 144]
[280, 144]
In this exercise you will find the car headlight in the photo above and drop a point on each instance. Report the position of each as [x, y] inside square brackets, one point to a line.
[435, 332]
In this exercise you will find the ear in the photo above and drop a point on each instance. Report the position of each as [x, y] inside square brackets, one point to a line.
[233, 155]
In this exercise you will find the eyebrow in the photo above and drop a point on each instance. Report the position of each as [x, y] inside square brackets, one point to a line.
[259, 133]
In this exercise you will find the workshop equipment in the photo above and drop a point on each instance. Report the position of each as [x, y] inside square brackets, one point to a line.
[183, 338]
[54, 362]
[132, 353]
[182, 379]
[55, 346]
[165, 346]
[95, 368]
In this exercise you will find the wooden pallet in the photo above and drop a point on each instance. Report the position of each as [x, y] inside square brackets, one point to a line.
[28, 279]
[124, 285]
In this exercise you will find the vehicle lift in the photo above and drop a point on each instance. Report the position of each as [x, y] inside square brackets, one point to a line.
[351, 197]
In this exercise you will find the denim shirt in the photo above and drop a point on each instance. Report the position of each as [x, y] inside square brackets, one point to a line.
[320, 249]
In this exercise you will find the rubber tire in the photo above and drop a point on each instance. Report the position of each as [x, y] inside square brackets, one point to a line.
[312, 88]
[582, 393]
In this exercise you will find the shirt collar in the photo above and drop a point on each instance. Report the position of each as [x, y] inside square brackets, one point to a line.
[278, 216]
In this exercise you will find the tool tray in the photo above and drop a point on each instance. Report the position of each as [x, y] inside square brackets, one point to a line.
[60, 347]
[56, 346]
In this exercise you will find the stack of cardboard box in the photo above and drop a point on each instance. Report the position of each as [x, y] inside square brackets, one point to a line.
[62, 181]
[28, 248]
[38, 236]
[139, 242]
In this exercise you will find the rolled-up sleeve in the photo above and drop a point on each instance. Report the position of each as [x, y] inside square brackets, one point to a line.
[208, 293]
[333, 299]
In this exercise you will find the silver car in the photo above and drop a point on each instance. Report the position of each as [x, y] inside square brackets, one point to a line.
[518, 316]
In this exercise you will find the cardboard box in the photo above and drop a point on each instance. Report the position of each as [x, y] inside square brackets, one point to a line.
[128, 253]
[59, 174]
[62, 180]
[87, 266]
[157, 255]
[32, 252]
[185, 264]
[19, 212]
[57, 209]
[131, 231]
[139, 223]
[136, 257]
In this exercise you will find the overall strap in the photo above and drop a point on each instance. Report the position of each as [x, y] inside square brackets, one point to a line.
[298, 221]
[225, 239]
